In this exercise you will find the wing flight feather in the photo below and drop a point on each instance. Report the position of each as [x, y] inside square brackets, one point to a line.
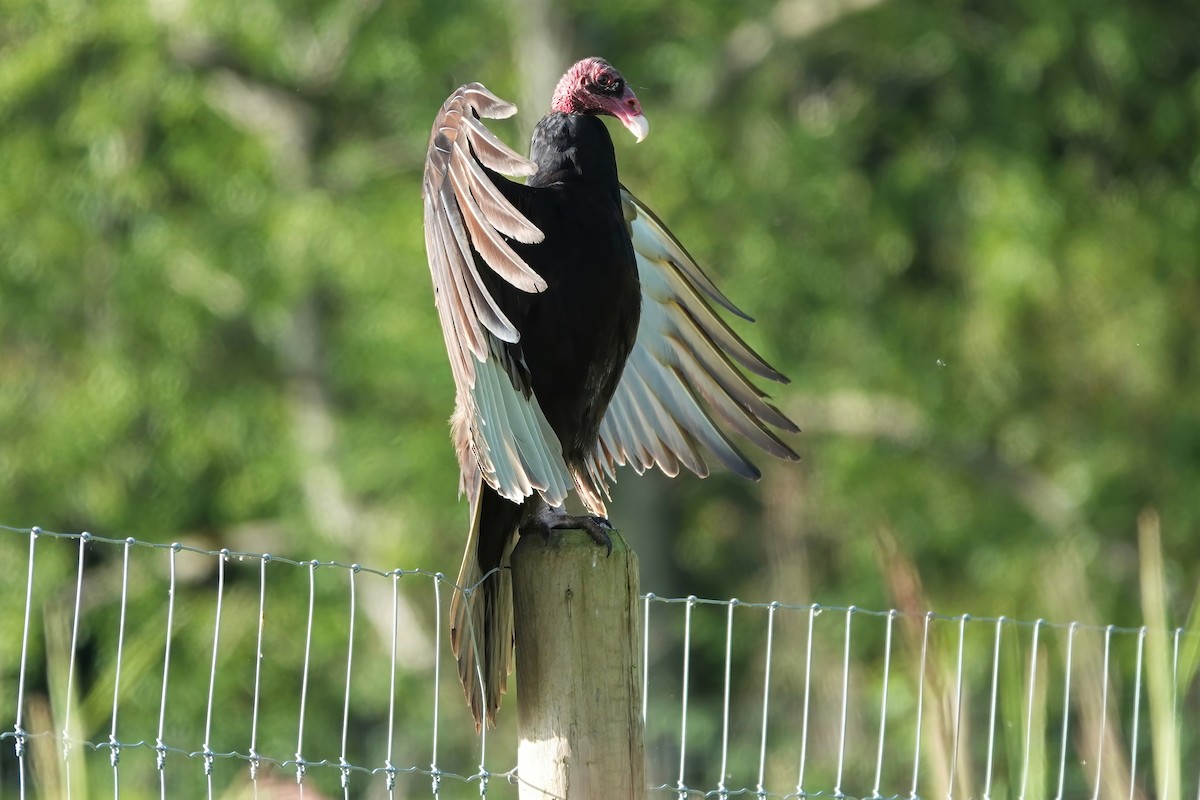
[683, 374]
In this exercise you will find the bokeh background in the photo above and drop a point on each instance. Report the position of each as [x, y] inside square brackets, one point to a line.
[969, 233]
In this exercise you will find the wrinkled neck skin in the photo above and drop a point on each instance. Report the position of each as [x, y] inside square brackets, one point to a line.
[565, 98]
[572, 147]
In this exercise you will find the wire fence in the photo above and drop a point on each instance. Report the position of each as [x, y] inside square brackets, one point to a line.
[167, 670]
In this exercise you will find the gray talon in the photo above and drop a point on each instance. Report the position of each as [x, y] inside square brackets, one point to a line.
[548, 519]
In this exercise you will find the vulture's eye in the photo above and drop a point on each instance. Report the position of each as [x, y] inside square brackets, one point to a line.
[609, 83]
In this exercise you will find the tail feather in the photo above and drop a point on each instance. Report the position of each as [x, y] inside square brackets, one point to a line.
[589, 485]
[481, 615]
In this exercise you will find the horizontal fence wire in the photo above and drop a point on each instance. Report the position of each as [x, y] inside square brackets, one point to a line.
[196, 672]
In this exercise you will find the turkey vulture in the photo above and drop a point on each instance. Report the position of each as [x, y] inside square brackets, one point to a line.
[581, 334]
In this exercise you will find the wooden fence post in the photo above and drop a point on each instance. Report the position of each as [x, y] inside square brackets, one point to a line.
[579, 676]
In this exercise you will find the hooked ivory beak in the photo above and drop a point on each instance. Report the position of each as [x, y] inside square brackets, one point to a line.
[627, 109]
[638, 125]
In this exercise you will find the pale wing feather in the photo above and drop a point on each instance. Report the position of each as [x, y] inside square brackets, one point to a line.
[485, 306]
[728, 405]
[675, 445]
[528, 462]
[682, 375]
[632, 446]
[653, 239]
[467, 321]
[446, 297]
[469, 222]
[686, 280]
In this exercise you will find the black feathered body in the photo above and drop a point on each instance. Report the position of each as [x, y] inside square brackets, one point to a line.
[577, 334]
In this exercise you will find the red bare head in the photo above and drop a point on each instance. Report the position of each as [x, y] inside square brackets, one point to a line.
[593, 86]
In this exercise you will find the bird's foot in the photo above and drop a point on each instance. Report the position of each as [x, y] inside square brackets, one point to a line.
[549, 519]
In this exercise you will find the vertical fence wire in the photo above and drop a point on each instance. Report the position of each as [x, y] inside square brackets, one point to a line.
[1033, 659]
[759, 788]
[212, 673]
[160, 747]
[958, 693]
[1137, 707]
[646, 655]
[841, 757]
[19, 729]
[260, 624]
[69, 698]
[1175, 731]
[1108, 632]
[883, 702]
[722, 790]
[435, 774]
[991, 738]
[308, 630]
[394, 629]
[681, 787]
[1066, 715]
[482, 774]
[343, 764]
[813, 610]
[476, 642]
[114, 753]
[920, 706]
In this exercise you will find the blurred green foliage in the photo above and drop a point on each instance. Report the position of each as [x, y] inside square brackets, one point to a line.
[968, 232]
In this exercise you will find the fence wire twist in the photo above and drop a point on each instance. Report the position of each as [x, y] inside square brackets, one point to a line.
[816, 691]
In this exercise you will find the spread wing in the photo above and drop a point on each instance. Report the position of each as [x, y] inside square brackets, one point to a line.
[469, 221]
[685, 373]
